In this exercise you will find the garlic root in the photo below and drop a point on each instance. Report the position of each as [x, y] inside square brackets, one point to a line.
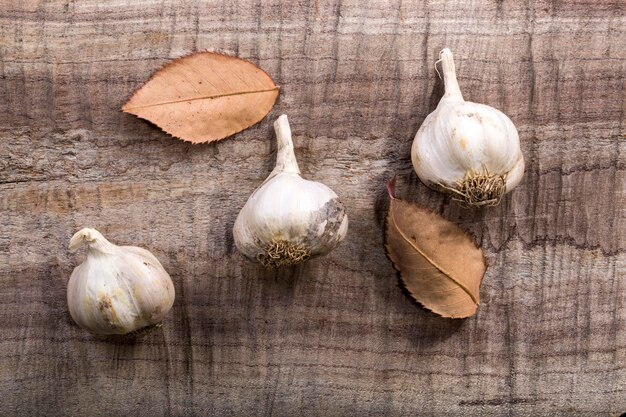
[283, 253]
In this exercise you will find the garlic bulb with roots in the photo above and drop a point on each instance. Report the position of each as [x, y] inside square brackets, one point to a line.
[468, 149]
[289, 219]
[117, 290]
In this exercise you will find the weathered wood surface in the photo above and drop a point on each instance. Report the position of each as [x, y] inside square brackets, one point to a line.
[336, 336]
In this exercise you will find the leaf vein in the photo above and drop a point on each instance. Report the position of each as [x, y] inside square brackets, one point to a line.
[208, 97]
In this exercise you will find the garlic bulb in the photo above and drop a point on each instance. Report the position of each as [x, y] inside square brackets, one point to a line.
[117, 289]
[468, 149]
[289, 219]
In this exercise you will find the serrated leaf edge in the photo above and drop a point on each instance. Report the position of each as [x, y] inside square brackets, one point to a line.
[441, 269]
[395, 261]
[175, 61]
[202, 141]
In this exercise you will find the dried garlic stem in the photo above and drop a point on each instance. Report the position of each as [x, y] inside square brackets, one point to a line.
[452, 89]
[93, 239]
[285, 157]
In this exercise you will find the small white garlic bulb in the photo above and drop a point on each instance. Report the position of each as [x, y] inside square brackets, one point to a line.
[289, 219]
[468, 149]
[117, 289]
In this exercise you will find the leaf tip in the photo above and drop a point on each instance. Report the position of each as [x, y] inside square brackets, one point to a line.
[128, 107]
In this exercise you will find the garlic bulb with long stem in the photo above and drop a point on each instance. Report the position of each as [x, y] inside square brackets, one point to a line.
[468, 149]
[289, 219]
[117, 289]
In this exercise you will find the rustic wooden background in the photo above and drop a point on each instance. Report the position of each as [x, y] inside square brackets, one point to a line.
[336, 336]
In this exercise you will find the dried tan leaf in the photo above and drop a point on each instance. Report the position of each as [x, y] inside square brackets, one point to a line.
[439, 264]
[204, 97]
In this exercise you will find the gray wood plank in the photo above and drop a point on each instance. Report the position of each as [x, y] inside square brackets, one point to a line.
[336, 336]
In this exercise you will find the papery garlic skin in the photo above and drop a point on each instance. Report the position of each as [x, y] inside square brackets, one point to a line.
[471, 150]
[289, 219]
[117, 289]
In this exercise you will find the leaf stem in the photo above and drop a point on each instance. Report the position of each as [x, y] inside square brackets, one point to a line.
[391, 187]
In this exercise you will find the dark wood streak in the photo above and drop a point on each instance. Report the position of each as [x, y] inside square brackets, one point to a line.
[336, 336]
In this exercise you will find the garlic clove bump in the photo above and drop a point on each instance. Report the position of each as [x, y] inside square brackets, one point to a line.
[289, 219]
[467, 149]
[117, 290]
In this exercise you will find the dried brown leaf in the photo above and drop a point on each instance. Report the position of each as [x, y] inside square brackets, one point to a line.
[439, 264]
[204, 97]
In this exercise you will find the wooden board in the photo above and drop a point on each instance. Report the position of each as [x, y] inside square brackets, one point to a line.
[336, 336]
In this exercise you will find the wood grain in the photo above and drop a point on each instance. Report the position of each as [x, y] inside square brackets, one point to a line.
[336, 336]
